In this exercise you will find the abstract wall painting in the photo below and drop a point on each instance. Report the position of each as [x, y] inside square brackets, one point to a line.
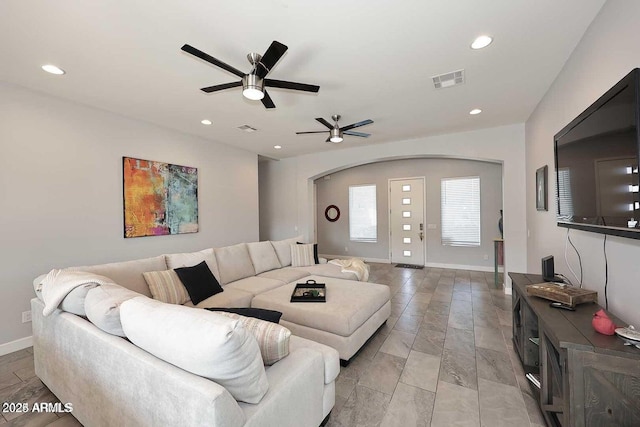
[159, 198]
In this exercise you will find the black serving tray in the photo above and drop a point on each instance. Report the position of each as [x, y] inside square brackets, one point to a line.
[310, 291]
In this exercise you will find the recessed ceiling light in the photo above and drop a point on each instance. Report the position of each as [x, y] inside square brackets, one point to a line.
[475, 111]
[53, 69]
[277, 147]
[480, 42]
[206, 122]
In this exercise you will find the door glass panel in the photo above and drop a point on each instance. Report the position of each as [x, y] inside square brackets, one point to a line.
[406, 227]
[406, 253]
[406, 214]
[406, 187]
[406, 240]
[406, 201]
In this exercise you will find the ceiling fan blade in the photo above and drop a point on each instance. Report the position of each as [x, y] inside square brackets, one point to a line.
[356, 125]
[270, 57]
[291, 85]
[210, 59]
[267, 102]
[360, 134]
[221, 87]
[324, 122]
[328, 139]
[315, 131]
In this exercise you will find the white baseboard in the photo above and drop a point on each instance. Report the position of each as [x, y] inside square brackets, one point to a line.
[462, 267]
[16, 345]
[365, 259]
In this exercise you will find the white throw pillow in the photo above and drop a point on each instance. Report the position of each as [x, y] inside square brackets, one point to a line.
[166, 286]
[273, 339]
[189, 259]
[199, 341]
[302, 255]
[263, 256]
[102, 305]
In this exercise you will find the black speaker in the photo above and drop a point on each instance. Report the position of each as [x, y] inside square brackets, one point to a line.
[548, 271]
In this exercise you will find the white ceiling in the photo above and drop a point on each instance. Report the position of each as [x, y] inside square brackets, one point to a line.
[373, 59]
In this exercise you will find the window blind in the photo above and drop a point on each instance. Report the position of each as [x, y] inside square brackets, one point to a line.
[565, 201]
[363, 215]
[460, 203]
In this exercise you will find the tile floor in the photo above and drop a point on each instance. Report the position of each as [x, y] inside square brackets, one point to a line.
[444, 358]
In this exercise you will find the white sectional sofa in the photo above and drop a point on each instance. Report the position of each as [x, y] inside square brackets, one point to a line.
[111, 381]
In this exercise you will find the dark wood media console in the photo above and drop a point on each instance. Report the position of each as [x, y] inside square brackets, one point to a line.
[586, 378]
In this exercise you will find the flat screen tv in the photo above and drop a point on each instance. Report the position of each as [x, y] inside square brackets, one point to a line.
[596, 159]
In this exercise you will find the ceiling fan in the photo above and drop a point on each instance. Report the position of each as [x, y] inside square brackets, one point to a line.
[253, 84]
[336, 132]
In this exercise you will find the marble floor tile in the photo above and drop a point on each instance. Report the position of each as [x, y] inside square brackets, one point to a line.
[33, 419]
[398, 343]
[383, 373]
[460, 306]
[2, 420]
[461, 320]
[421, 370]
[435, 321]
[505, 317]
[462, 287]
[387, 327]
[485, 319]
[416, 307]
[459, 368]
[533, 410]
[364, 408]
[459, 340]
[455, 406]
[357, 368]
[501, 405]
[27, 392]
[400, 298]
[16, 355]
[26, 373]
[65, 421]
[438, 307]
[422, 296]
[8, 379]
[344, 386]
[397, 309]
[408, 323]
[489, 338]
[372, 346]
[409, 407]
[430, 341]
[495, 366]
[461, 296]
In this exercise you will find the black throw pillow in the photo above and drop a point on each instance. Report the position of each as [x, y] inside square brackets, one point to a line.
[259, 313]
[199, 281]
[315, 251]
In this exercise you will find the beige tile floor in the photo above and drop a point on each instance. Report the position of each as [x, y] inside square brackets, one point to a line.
[444, 358]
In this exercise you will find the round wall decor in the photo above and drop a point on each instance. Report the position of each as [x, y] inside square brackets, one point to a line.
[332, 213]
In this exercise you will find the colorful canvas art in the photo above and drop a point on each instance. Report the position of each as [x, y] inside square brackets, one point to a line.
[159, 198]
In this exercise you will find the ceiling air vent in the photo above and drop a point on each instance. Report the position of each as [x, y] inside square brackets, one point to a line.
[247, 128]
[448, 79]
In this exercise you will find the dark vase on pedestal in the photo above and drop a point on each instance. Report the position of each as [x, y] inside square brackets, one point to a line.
[500, 225]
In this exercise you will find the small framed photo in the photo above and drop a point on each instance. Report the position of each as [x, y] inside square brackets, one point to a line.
[541, 189]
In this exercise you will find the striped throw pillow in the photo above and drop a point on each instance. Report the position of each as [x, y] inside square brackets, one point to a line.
[166, 286]
[302, 255]
[273, 339]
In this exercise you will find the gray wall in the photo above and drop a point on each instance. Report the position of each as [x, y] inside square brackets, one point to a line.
[61, 192]
[333, 237]
[606, 53]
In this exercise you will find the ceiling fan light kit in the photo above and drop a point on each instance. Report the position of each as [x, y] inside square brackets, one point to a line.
[253, 83]
[336, 136]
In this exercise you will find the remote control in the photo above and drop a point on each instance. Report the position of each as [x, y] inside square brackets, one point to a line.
[561, 305]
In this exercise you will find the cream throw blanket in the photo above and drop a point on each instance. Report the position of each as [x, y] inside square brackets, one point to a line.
[58, 283]
[353, 265]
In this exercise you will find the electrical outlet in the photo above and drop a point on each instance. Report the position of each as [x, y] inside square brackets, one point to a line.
[26, 316]
[346, 249]
[486, 257]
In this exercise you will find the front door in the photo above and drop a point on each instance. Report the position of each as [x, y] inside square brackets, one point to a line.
[406, 220]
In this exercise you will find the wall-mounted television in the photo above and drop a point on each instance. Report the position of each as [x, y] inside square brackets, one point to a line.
[596, 160]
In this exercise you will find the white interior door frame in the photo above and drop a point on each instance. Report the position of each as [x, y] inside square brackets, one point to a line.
[424, 214]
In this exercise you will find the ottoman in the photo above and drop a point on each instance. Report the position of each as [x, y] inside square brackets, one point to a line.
[352, 313]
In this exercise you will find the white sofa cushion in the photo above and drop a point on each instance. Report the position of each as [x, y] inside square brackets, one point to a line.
[127, 273]
[229, 298]
[255, 285]
[285, 275]
[283, 249]
[273, 339]
[189, 259]
[234, 263]
[74, 302]
[166, 286]
[302, 255]
[263, 256]
[102, 305]
[199, 341]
